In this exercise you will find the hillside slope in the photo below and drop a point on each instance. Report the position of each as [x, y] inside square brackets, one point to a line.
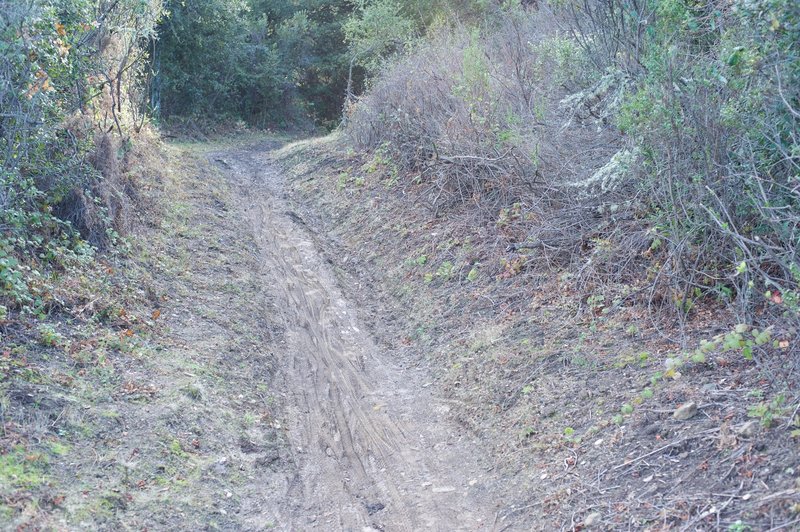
[590, 414]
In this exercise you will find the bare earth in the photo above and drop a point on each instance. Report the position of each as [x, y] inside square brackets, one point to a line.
[371, 446]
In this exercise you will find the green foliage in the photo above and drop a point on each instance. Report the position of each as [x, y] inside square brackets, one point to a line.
[766, 412]
[176, 449]
[446, 270]
[21, 470]
[714, 108]
[68, 69]
[569, 435]
[48, 336]
[377, 30]
[738, 526]
[263, 61]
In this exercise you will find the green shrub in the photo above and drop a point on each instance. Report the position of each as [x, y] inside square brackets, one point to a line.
[711, 102]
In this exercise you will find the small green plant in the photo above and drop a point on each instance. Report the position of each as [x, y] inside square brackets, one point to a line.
[48, 336]
[596, 302]
[342, 180]
[742, 338]
[445, 270]
[472, 276]
[738, 526]
[193, 392]
[766, 412]
[176, 449]
[12, 281]
[569, 435]
[508, 215]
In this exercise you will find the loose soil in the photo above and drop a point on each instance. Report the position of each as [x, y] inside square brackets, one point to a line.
[372, 446]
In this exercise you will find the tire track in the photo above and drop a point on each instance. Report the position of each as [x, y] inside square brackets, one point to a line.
[360, 466]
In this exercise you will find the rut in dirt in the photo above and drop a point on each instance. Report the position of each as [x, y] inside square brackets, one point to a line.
[372, 447]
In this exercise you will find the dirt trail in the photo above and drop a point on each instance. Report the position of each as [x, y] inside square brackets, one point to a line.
[371, 445]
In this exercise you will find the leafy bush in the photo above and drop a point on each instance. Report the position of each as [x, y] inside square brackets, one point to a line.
[712, 103]
[71, 75]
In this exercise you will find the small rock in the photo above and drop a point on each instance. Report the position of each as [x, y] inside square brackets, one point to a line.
[473, 481]
[375, 507]
[268, 458]
[443, 489]
[748, 428]
[651, 429]
[592, 519]
[685, 411]
[548, 411]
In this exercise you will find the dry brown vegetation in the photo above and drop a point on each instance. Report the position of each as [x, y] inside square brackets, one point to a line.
[568, 119]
